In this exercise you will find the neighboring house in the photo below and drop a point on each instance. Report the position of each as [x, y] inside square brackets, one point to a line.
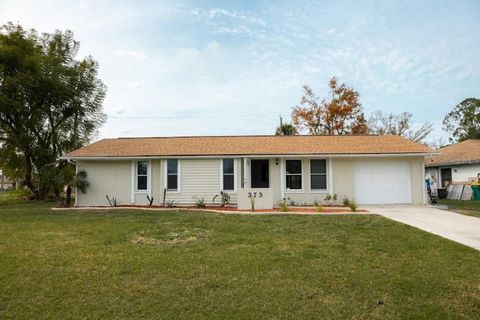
[6, 183]
[456, 163]
[369, 169]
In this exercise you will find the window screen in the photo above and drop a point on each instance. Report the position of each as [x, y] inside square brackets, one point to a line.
[318, 174]
[228, 174]
[294, 174]
[172, 174]
[142, 175]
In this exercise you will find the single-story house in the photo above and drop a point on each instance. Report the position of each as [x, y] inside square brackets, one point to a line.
[456, 163]
[370, 169]
[6, 183]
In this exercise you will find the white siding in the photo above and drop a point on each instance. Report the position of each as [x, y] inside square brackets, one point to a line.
[199, 178]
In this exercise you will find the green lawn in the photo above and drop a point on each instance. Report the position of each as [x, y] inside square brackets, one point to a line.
[189, 265]
[467, 207]
[10, 197]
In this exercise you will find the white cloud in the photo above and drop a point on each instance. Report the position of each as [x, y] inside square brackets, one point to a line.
[215, 68]
[138, 55]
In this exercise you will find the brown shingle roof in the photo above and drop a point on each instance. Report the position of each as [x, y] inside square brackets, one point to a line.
[249, 145]
[465, 152]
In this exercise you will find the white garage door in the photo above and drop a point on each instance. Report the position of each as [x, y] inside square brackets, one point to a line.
[378, 182]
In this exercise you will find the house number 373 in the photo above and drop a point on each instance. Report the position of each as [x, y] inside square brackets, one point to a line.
[255, 194]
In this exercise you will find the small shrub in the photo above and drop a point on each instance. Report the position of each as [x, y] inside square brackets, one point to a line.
[346, 201]
[319, 208]
[283, 206]
[352, 205]
[200, 203]
[316, 203]
[330, 198]
[112, 201]
[150, 200]
[224, 197]
[164, 201]
[170, 203]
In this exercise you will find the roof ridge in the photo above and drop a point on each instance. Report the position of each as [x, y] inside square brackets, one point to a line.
[258, 135]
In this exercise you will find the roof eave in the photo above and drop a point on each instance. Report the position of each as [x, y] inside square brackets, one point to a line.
[329, 155]
[451, 163]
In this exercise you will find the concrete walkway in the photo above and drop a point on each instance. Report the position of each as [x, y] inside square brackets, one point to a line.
[457, 227]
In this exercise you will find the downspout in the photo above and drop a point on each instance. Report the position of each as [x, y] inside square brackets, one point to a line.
[424, 187]
[76, 173]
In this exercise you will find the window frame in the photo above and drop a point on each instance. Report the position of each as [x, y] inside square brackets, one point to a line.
[234, 174]
[326, 174]
[178, 190]
[301, 174]
[147, 190]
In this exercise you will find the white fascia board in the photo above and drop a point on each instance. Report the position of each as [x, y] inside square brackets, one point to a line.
[333, 155]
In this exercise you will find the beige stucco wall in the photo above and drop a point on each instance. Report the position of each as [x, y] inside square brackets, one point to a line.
[110, 178]
[200, 178]
[308, 196]
[343, 179]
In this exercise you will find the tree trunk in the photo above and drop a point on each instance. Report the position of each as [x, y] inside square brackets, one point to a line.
[57, 192]
[68, 199]
[27, 180]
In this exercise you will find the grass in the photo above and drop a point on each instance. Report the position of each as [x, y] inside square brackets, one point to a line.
[9, 197]
[125, 264]
[467, 207]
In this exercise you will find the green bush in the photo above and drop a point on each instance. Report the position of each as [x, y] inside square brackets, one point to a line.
[352, 205]
[283, 206]
[200, 203]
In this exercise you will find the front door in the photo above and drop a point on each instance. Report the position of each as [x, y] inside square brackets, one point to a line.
[446, 176]
[260, 173]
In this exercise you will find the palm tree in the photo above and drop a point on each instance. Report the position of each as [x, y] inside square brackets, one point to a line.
[80, 182]
[286, 129]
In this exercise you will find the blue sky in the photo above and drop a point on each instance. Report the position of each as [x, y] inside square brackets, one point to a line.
[232, 67]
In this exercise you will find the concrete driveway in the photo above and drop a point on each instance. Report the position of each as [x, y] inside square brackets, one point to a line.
[457, 227]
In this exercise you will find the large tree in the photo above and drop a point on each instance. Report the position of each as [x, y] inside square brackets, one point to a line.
[397, 124]
[339, 114]
[463, 122]
[50, 104]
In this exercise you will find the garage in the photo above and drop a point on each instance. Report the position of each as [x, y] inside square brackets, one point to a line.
[382, 182]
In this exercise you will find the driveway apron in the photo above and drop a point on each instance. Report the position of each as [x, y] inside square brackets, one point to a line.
[457, 227]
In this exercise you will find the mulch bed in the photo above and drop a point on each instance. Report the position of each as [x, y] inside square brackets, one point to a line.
[293, 209]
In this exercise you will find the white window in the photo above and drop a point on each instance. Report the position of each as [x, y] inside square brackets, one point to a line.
[228, 174]
[142, 175]
[293, 174]
[318, 174]
[172, 175]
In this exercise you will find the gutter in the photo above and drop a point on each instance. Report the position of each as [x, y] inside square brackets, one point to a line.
[443, 164]
[331, 155]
